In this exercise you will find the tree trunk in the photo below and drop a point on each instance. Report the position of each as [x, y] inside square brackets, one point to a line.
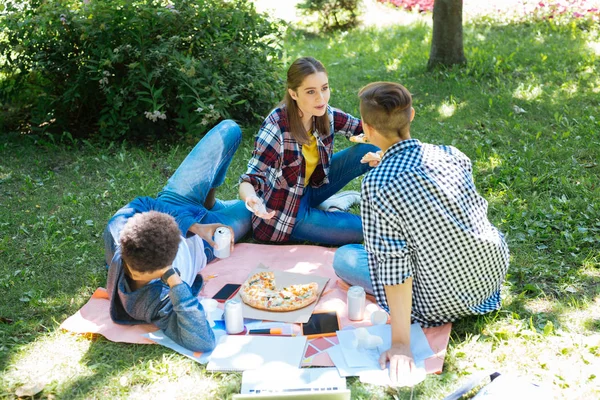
[447, 40]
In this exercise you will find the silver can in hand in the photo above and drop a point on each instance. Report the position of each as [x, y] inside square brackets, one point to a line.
[223, 242]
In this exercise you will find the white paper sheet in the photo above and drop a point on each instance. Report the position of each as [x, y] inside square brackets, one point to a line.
[159, 337]
[370, 374]
[357, 361]
[241, 353]
[360, 357]
[337, 356]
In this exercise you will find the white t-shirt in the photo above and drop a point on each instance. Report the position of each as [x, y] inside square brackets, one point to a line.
[190, 259]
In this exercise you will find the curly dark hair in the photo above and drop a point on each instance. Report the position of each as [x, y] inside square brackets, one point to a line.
[149, 241]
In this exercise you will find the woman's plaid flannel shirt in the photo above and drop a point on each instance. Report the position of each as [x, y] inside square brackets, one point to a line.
[277, 169]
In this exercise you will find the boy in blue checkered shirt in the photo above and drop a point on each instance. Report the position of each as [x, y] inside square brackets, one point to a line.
[430, 255]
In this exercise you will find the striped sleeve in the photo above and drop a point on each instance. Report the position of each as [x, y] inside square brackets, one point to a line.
[266, 155]
[345, 124]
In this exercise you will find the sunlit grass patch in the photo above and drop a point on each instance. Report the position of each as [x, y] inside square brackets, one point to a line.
[46, 360]
[529, 92]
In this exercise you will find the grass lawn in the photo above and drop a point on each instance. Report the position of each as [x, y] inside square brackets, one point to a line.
[525, 110]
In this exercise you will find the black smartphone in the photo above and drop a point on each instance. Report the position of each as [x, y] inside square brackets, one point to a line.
[227, 292]
[321, 323]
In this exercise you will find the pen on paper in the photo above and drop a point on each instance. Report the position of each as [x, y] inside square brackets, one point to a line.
[271, 331]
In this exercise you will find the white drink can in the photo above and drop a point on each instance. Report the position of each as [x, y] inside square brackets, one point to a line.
[234, 320]
[356, 303]
[223, 241]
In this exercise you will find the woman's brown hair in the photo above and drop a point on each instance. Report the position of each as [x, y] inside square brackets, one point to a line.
[300, 69]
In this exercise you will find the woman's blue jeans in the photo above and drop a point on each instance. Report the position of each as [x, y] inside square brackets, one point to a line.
[326, 227]
[351, 264]
[203, 169]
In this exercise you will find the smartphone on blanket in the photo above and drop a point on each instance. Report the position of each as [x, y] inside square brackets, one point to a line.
[227, 292]
[321, 323]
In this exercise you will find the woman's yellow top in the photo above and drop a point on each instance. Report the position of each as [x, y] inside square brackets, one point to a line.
[311, 157]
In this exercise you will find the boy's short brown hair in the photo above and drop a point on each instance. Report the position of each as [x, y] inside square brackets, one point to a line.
[387, 107]
[149, 241]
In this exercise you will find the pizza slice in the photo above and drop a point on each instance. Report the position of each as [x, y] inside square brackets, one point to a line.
[359, 138]
[259, 291]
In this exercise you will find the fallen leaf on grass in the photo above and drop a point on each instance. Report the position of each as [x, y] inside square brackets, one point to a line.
[518, 110]
[570, 289]
[30, 389]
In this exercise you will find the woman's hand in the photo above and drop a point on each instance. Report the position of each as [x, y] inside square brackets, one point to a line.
[403, 371]
[207, 232]
[257, 206]
[374, 159]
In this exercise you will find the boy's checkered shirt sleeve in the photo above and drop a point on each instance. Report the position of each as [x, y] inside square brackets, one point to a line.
[422, 217]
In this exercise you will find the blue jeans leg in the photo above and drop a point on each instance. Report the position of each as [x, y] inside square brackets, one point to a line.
[332, 228]
[345, 166]
[351, 264]
[326, 227]
[203, 169]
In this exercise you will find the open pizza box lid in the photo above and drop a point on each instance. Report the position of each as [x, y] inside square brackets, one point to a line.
[283, 279]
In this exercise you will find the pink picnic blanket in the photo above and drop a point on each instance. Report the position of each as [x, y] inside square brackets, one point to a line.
[93, 318]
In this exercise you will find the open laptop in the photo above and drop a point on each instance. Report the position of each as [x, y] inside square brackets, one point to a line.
[293, 384]
[312, 395]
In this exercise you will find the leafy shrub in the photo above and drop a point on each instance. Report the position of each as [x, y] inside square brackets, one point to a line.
[411, 5]
[333, 14]
[119, 68]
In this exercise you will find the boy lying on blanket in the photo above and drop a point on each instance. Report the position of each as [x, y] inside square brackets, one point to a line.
[144, 285]
[156, 247]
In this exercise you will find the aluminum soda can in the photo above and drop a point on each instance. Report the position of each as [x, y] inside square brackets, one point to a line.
[234, 320]
[223, 241]
[356, 303]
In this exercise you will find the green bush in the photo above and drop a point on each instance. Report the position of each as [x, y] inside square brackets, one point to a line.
[118, 68]
[333, 14]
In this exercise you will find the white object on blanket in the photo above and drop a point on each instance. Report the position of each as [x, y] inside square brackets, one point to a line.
[361, 333]
[372, 342]
[379, 317]
[366, 340]
[211, 310]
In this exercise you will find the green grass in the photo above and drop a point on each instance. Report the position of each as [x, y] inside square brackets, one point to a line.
[538, 170]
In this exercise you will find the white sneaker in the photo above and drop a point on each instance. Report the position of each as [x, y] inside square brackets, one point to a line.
[341, 201]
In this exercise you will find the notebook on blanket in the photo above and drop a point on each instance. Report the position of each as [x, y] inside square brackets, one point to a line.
[94, 317]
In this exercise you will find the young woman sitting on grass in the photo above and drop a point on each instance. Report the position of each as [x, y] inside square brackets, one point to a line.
[293, 170]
